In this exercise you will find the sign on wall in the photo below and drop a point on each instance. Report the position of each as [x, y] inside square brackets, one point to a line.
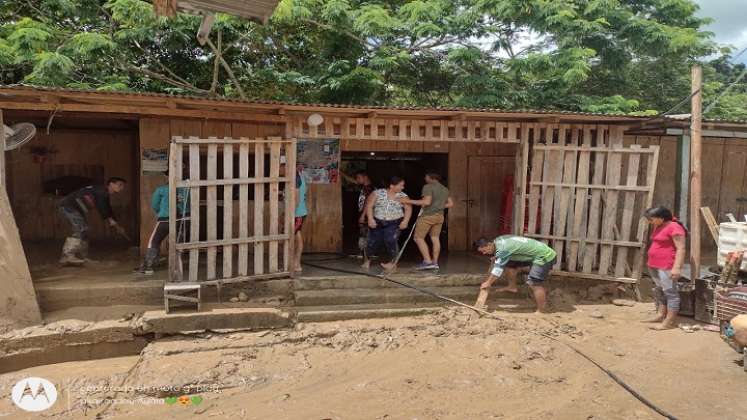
[154, 161]
[320, 160]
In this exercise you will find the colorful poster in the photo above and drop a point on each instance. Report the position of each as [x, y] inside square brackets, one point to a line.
[319, 160]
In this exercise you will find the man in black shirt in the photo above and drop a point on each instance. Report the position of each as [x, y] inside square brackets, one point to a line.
[75, 207]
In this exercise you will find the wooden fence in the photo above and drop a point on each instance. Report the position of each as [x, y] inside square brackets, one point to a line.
[586, 196]
[269, 239]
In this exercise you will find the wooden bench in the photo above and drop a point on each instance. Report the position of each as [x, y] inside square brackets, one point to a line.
[182, 292]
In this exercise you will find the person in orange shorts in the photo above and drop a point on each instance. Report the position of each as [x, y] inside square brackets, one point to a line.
[435, 199]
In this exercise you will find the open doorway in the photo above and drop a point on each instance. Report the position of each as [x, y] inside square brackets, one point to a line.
[380, 166]
[75, 152]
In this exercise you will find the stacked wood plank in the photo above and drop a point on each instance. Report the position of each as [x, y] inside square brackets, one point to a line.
[586, 196]
[269, 238]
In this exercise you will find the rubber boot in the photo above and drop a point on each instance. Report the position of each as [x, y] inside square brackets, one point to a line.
[149, 261]
[83, 251]
[69, 249]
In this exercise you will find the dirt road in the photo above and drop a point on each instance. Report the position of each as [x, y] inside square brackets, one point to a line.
[452, 365]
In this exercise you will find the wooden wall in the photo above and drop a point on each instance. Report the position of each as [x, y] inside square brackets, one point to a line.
[666, 180]
[724, 177]
[157, 132]
[76, 150]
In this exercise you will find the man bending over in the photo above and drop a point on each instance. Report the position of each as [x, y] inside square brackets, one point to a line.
[510, 253]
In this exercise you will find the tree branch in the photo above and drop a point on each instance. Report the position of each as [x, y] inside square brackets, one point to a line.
[228, 70]
[163, 67]
[167, 79]
[216, 63]
[348, 33]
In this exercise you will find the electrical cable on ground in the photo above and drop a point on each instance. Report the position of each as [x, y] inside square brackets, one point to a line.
[385, 276]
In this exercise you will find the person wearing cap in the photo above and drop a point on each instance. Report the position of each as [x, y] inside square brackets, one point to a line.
[300, 214]
[510, 253]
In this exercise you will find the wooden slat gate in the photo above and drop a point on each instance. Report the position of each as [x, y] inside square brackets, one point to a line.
[587, 193]
[218, 173]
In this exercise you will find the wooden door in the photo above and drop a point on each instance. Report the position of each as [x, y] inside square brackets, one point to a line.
[485, 195]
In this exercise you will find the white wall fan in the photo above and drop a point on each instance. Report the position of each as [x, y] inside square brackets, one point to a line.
[18, 134]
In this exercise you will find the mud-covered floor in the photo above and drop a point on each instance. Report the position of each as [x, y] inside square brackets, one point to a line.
[451, 365]
[113, 262]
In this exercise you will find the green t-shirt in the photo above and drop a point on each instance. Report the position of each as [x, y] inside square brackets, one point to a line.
[439, 194]
[518, 248]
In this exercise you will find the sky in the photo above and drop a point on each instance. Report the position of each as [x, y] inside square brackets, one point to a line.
[730, 25]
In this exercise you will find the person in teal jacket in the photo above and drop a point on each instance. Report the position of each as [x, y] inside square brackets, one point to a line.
[301, 211]
[160, 204]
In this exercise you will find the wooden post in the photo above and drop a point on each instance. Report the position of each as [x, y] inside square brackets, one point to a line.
[175, 160]
[520, 181]
[695, 171]
[2, 150]
[165, 8]
[682, 191]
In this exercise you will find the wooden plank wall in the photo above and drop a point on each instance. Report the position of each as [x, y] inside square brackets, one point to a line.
[724, 174]
[79, 151]
[157, 132]
[599, 236]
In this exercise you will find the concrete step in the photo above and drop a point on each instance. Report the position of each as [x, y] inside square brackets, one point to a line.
[422, 279]
[57, 296]
[67, 341]
[347, 312]
[214, 319]
[330, 297]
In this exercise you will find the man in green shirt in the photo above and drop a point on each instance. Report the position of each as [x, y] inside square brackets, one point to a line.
[434, 201]
[511, 253]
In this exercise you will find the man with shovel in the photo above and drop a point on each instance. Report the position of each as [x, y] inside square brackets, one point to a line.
[510, 253]
[75, 207]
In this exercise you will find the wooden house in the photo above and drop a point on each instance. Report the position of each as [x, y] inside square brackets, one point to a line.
[577, 180]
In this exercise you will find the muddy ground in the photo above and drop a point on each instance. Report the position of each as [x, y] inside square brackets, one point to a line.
[452, 365]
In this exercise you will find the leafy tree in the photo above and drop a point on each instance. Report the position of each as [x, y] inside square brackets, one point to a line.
[615, 56]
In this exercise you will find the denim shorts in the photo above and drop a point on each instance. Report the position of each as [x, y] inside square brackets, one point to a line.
[538, 273]
[669, 294]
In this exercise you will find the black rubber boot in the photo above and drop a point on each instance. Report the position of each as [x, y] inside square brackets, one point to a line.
[149, 261]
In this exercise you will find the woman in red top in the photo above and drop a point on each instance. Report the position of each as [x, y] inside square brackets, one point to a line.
[666, 253]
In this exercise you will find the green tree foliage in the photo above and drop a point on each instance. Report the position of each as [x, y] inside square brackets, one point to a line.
[614, 56]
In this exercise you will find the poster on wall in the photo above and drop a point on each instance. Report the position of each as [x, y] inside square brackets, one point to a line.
[320, 160]
[154, 161]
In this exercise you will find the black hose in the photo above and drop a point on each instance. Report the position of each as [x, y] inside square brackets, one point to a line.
[409, 286]
[614, 377]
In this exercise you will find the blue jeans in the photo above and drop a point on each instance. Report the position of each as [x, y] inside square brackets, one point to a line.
[386, 233]
[78, 223]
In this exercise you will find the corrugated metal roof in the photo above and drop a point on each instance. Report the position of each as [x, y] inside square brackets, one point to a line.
[218, 100]
[307, 104]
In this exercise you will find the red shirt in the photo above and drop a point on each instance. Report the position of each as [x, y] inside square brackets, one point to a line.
[662, 251]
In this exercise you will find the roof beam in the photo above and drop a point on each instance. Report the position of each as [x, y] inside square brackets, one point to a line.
[140, 110]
